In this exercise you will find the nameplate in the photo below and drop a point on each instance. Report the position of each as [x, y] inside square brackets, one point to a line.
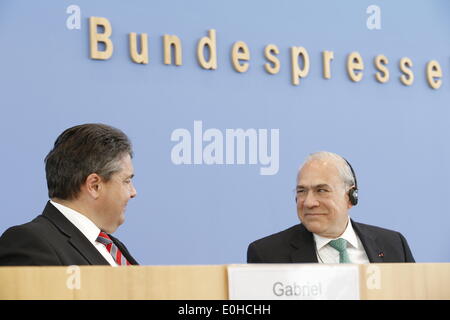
[293, 282]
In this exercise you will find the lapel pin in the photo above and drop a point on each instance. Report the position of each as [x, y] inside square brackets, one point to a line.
[381, 254]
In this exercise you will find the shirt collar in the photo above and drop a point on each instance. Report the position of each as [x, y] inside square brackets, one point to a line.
[83, 223]
[349, 235]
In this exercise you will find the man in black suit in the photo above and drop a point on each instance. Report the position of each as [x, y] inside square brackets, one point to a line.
[326, 190]
[89, 172]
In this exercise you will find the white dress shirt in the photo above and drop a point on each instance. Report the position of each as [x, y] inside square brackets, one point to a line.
[327, 254]
[87, 228]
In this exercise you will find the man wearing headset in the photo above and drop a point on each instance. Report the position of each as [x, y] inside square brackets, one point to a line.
[326, 190]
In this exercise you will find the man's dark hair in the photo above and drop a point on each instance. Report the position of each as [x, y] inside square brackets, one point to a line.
[80, 151]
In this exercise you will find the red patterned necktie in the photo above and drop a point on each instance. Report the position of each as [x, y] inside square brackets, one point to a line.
[104, 239]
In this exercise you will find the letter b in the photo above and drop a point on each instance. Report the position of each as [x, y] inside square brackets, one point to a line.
[95, 38]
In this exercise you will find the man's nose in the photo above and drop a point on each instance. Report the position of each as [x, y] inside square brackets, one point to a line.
[310, 200]
[133, 191]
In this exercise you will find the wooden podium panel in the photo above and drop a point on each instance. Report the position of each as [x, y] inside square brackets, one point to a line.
[34, 283]
[377, 281]
[405, 281]
[100, 282]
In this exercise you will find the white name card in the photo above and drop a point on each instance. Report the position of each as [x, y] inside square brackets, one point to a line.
[293, 282]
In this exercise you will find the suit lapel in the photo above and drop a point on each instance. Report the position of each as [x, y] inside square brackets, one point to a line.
[87, 250]
[374, 251]
[303, 246]
[74, 236]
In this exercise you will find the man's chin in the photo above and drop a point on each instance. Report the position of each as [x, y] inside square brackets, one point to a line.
[313, 226]
[114, 228]
[121, 220]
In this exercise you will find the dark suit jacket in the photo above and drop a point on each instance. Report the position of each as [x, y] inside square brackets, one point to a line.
[297, 245]
[51, 240]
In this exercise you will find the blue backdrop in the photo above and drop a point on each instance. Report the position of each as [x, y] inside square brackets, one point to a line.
[395, 136]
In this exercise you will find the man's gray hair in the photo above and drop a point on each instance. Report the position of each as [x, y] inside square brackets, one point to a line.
[341, 165]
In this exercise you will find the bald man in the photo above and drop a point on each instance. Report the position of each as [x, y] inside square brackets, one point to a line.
[326, 190]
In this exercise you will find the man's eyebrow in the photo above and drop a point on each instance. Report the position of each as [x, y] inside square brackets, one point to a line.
[321, 185]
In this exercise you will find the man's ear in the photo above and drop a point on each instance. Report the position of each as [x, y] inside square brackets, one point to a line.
[347, 198]
[93, 185]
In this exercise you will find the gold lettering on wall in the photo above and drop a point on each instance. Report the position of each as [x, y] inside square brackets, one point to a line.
[327, 56]
[296, 71]
[175, 43]
[269, 52]
[210, 42]
[407, 78]
[355, 63]
[240, 51]
[101, 48]
[96, 38]
[135, 55]
[380, 62]
[434, 71]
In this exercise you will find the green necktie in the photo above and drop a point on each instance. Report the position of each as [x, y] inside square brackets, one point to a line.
[341, 246]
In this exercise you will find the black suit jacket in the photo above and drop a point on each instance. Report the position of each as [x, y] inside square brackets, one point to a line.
[297, 245]
[51, 240]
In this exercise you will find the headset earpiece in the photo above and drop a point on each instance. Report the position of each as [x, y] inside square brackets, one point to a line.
[353, 196]
[353, 192]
